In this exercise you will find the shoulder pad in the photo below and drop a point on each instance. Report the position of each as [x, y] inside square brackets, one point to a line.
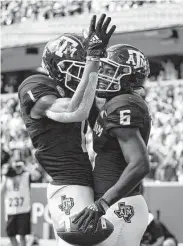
[37, 78]
[35, 87]
[126, 100]
[127, 110]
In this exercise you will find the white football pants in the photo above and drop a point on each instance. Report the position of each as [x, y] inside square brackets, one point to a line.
[66, 200]
[130, 219]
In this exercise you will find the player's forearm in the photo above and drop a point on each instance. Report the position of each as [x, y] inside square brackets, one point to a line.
[88, 97]
[91, 66]
[129, 179]
[82, 112]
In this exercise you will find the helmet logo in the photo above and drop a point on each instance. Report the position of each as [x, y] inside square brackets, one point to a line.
[68, 47]
[136, 59]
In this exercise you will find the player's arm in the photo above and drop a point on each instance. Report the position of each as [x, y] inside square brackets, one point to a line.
[136, 155]
[64, 111]
[95, 50]
[76, 108]
[33, 172]
[61, 109]
[91, 66]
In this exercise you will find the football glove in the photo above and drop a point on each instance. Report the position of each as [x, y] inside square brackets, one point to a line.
[91, 215]
[98, 37]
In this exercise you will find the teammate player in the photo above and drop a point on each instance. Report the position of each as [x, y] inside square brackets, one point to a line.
[121, 134]
[54, 109]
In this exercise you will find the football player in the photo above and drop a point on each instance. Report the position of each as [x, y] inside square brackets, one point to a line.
[54, 109]
[121, 134]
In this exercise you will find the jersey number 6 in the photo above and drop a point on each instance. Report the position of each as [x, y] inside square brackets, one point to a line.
[125, 117]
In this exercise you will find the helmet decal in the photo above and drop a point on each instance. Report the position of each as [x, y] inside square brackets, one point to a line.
[124, 69]
[64, 59]
[68, 47]
[136, 58]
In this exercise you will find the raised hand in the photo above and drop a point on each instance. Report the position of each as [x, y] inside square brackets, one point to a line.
[98, 37]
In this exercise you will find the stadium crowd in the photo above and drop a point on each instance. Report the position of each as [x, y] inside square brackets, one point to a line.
[21, 10]
[15, 142]
[165, 146]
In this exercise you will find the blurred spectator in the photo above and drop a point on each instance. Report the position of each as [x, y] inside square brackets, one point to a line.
[165, 145]
[15, 142]
[5, 156]
[157, 234]
[15, 187]
[21, 10]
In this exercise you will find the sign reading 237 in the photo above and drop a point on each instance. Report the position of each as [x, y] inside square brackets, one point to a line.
[16, 202]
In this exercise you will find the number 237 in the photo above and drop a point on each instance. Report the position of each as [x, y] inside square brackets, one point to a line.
[16, 202]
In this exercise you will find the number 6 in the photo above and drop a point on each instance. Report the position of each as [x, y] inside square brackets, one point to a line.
[125, 117]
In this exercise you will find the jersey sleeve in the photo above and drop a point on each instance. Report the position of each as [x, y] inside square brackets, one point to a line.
[30, 92]
[125, 115]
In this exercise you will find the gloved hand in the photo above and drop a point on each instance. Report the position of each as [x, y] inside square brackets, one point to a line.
[98, 37]
[91, 214]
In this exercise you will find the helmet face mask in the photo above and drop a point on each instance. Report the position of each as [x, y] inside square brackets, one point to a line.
[130, 69]
[64, 60]
[111, 82]
[73, 71]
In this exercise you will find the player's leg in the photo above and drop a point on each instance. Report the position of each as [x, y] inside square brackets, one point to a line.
[23, 227]
[64, 201]
[13, 241]
[11, 229]
[22, 241]
[130, 218]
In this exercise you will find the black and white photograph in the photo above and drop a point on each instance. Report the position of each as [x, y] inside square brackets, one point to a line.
[91, 123]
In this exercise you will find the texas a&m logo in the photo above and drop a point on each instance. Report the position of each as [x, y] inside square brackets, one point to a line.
[68, 47]
[136, 59]
[125, 211]
[66, 204]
